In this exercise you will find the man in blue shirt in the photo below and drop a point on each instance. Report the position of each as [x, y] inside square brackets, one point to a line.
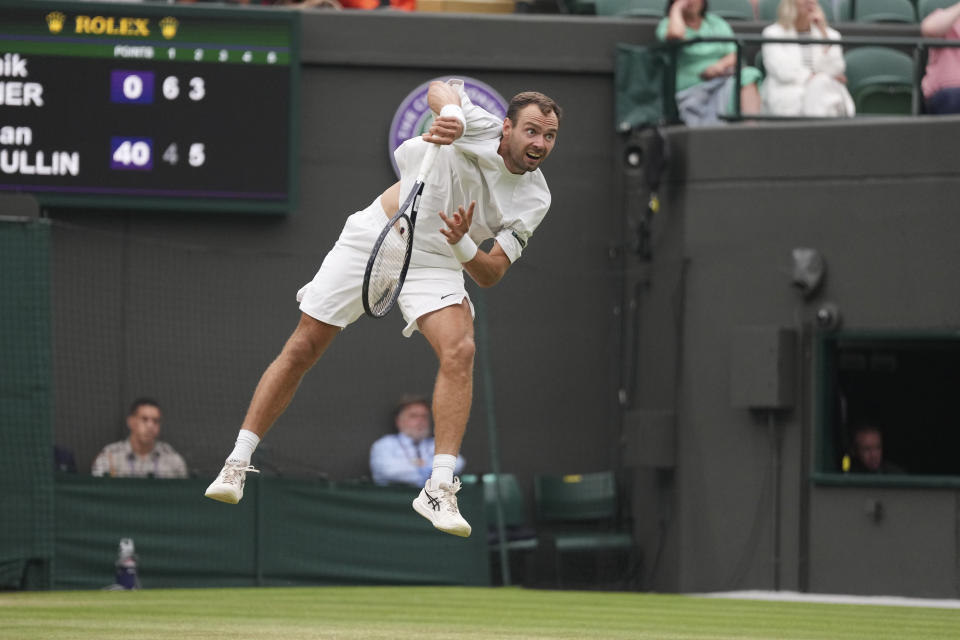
[406, 457]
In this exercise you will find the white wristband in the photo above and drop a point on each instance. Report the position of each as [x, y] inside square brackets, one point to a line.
[454, 111]
[465, 249]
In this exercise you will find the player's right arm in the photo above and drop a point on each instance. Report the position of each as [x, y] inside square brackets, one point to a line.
[440, 94]
[445, 128]
[390, 199]
[480, 124]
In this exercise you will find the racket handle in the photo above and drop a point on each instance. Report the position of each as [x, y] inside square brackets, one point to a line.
[427, 163]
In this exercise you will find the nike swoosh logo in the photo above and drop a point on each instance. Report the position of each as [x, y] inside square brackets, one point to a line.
[447, 295]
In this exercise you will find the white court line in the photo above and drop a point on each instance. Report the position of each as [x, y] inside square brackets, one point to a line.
[827, 598]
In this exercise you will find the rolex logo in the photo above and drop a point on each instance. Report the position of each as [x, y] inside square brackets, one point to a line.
[55, 21]
[168, 27]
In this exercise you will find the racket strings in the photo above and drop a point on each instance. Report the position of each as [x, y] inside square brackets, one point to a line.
[388, 266]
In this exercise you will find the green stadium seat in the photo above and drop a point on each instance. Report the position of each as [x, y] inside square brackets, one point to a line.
[836, 10]
[732, 9]
[520, 537]
[579, 7]
[767, 10]
[885, 11]
[881, 80]
[637, 8]
[843, 10]
[579, 514]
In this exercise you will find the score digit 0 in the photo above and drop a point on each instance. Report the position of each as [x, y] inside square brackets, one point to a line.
[131, 87]
[197, 91]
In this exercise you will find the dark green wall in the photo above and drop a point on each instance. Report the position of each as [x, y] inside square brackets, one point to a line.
[26, 398]
[284, 532]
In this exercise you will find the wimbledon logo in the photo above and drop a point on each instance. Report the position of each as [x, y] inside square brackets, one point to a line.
[413, 117]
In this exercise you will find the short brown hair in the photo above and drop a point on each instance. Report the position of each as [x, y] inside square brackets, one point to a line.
[142, 402]
[408, 399]
[521, 100]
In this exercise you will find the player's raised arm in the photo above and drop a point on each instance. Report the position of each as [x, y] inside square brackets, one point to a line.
[440, 94]
[450, 122]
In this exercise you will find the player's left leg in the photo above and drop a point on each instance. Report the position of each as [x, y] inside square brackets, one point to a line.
[270, 399]
[450, 332]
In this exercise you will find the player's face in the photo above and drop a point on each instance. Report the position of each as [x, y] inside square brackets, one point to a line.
[145, 425]
[414, 421]
[528, 142]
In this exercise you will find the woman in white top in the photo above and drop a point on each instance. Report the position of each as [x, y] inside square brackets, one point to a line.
[804, 79]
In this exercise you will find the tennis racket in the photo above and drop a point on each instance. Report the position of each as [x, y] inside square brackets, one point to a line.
[390, 258]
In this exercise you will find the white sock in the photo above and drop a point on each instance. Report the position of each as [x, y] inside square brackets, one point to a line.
[443, 465]
[247, 442]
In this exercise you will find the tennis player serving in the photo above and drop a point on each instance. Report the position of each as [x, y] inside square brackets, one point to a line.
[485, 183]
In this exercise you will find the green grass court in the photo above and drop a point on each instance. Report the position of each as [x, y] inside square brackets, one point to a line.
[447, 612]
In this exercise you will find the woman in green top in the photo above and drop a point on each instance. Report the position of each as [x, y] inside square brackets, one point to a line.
[705, 69]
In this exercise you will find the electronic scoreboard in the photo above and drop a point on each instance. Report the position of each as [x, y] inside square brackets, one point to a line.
[149, 106]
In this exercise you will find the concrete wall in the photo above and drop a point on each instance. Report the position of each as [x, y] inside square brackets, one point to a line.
[876, 197]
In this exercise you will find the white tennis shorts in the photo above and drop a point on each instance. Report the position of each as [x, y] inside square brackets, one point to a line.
[334, 294]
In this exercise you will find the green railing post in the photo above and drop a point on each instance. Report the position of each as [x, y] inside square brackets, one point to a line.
[486, 377]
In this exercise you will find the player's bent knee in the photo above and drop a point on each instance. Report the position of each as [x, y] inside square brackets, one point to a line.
[300, 353]
[308, 342]
[459, 355]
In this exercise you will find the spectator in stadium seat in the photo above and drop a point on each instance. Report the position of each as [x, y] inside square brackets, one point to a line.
[141, 455]
[705, 70]
[804, 79]
[406, 457]
[941, 83]
[868, 452]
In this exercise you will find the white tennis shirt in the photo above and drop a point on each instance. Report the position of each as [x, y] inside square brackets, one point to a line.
[509, 207]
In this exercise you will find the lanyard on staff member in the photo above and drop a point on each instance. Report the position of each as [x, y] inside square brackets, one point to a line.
[417, 457]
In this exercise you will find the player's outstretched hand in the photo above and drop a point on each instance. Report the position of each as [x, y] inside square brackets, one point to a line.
[444, 130]
[458, 224]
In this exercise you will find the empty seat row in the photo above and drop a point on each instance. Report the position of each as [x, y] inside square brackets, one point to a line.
[880, 80]
[573, 514]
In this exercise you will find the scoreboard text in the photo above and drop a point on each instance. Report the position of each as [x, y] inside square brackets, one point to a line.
[142, 106]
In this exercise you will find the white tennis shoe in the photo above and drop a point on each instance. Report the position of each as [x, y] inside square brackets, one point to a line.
[228, 487]
[439, 506]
